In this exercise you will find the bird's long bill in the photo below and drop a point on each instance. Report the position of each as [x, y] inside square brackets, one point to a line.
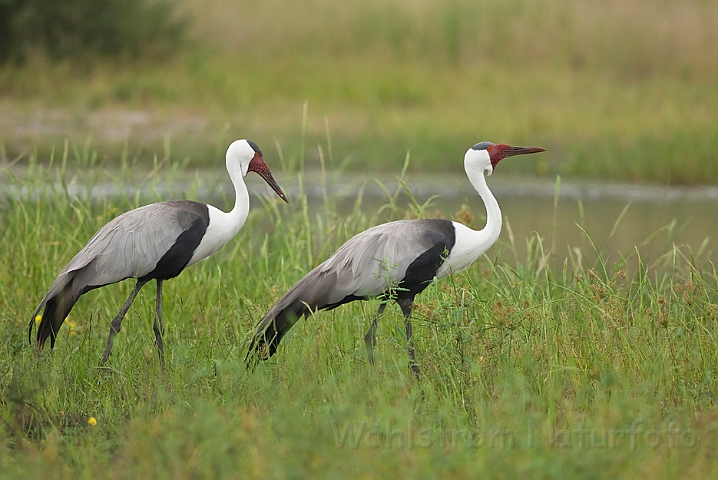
[511, 151]
[260, 166]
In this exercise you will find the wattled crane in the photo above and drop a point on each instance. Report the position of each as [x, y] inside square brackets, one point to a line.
[157, 241]
[392, 261]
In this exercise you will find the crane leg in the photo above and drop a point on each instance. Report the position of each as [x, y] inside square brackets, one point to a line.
[370, 337]
[117, 321]
[405, 305]
[158, 328]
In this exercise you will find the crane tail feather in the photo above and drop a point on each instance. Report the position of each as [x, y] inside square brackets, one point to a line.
[309, 294]
[55, 308]
[272, 329]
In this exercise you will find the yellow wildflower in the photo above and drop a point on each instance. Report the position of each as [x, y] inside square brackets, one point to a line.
[38, 318]
[92, 421]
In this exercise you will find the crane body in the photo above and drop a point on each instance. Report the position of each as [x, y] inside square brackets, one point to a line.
[153, 242]
[393, 261]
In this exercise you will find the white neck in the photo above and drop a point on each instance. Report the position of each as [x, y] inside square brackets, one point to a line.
[490, 233]
[238, 215]
[223, 226]
[471, 244]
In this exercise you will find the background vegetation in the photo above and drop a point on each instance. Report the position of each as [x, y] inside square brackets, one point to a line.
[614, 89]
[541, 360]
[76, 29]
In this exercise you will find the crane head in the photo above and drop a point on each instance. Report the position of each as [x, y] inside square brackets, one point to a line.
[249, 157]
[488, 154]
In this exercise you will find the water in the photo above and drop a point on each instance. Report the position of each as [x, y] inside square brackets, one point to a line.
[618, 218]
[569, 216]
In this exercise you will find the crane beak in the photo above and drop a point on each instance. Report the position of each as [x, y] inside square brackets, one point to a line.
[259, 166]
[511, 151]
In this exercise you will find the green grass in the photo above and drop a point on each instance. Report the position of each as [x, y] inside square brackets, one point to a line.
[621, 90]
[531, 367]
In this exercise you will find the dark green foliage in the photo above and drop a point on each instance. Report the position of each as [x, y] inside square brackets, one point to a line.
[74, 28]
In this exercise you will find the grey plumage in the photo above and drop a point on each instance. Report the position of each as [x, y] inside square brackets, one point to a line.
[395, 261]
[128, 246]
[157, 242]
[373, 263]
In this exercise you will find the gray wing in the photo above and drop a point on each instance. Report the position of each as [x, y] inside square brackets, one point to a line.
[377, 259]
[129, 245]
[365, 266]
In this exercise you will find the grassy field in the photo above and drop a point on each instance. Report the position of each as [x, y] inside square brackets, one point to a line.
[531, 368]
[614, 89]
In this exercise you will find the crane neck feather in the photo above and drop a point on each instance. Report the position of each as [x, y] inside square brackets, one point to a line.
[233, 220]
[239, 212]
[493, 212]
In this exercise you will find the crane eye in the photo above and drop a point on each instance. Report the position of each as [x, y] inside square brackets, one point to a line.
[488, 149]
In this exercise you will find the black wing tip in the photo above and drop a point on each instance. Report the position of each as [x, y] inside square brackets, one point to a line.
[44, 332]
[33, 321]
[46, 328]
[264, 343]
[257, 352]
[261, 348]
[272, 328]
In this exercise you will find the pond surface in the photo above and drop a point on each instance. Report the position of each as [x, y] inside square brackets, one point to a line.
[564, 214]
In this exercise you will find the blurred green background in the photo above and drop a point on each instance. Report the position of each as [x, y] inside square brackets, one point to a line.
[618, 90]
